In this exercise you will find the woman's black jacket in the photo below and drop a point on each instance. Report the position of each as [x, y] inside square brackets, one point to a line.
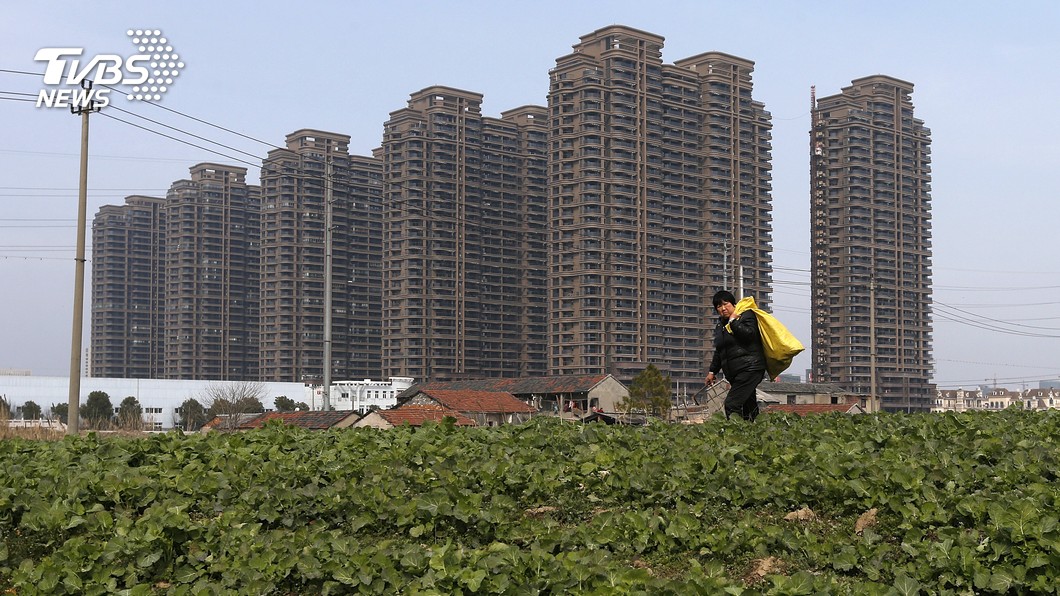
[739, 351]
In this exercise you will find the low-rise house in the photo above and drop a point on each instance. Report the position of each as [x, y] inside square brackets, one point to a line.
[957, 400]
[486, 408]
[851, 407]
[998, 398]
[363, 396]
[412, 415]
[1041, 399]
[565, 394]
[310, 419]
[793, 394]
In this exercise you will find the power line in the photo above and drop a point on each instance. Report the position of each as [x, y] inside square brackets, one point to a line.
[188, 133]
[991, 324]
[68, 188]
[162, 134]
[94, 156]
[200, 120]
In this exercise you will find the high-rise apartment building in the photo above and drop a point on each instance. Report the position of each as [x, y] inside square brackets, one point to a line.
[659, 178]
[128, 278]
[212, 265]
[871, 243]
[297, 183]
[464, 239]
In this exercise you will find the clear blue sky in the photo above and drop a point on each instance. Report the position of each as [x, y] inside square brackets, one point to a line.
[986, 84]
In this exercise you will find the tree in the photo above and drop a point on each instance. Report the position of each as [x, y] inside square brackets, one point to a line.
[130, 414]
[286, 404]
[31, 411]
[61, 411]
[649, 391]
[230, 401]
[192, 415]
[98, 410]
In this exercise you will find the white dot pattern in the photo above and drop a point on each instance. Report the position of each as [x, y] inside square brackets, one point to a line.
[164, 64]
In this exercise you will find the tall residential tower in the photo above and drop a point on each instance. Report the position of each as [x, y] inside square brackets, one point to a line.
[212, 264]
[128, 275]
[870, 161]
[659, 179]
[297, 182]
[464, 243]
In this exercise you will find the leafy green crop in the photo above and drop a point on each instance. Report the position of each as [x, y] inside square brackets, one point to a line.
[964, 503]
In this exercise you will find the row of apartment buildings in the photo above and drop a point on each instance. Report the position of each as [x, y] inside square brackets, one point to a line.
[581, 237]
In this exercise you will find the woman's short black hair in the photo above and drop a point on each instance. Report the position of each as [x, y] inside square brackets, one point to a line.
[723, 296]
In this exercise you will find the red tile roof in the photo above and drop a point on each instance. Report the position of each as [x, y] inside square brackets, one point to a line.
[804, 409]
[485, 402]
[417, 415]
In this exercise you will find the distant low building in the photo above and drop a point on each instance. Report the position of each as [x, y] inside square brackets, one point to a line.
[367, 395]
[486, 408]
[412, 415]
[808, 393]
[309, 419]
[584, 393]
[995, 399]
[1041, 399]
[160, 399]
[851, 407]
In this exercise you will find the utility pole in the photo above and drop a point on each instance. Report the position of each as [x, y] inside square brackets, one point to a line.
[875, 405]
[328, 255]
[725, 268]
[73, 414]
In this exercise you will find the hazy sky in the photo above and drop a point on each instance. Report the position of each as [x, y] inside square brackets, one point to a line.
[985, 74]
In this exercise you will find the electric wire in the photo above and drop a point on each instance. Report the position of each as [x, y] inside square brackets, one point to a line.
[207, 149]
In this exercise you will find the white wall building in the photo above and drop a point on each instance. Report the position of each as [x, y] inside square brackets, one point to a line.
[363, 396]
[159, 398]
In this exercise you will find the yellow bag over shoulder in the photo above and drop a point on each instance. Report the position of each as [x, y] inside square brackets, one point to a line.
[779, 344]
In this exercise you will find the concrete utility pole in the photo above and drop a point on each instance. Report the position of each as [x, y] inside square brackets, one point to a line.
[73, 414]
[328, 255]
[875, 405]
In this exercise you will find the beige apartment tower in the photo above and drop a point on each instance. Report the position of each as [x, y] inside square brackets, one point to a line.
[659, 195]
[297, 181]
[870, 162]
[212, 246]
[464, 239]
[128, 279]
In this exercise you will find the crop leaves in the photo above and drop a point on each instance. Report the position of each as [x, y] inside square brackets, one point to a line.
[965, 503]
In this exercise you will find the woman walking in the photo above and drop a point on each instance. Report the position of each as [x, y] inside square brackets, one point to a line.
[738, 353]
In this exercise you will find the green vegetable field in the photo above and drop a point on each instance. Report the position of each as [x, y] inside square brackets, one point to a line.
[875, 504]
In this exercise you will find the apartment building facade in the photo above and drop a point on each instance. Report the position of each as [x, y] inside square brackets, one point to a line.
[212, 261]
[298, 181]
[464, 239]
[128, 278]
[870, 161]
[660, 182]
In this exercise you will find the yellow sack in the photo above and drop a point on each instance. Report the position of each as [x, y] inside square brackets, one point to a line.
[779, 344]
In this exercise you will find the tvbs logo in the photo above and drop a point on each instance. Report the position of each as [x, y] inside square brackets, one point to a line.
[145, 76]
